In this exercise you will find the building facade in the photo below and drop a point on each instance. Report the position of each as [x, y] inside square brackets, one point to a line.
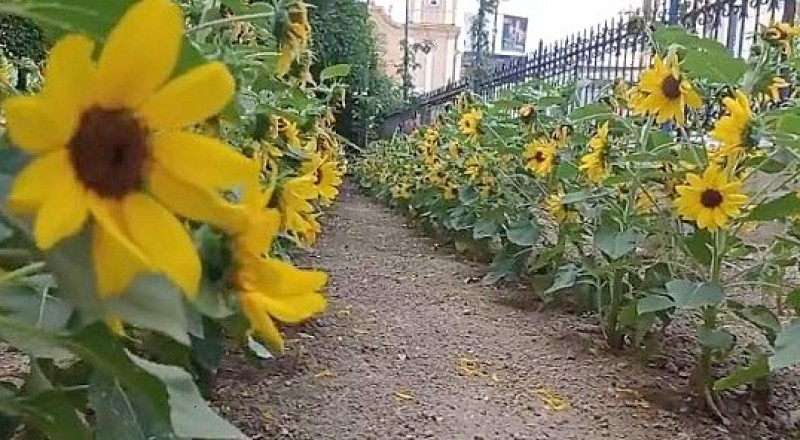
[431, 23]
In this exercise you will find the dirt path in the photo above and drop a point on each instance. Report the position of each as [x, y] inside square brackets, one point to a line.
[410, 349]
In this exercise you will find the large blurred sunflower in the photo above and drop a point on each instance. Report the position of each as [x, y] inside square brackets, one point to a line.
[109, 147]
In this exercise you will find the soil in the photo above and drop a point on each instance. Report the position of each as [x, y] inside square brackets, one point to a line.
[413, 346]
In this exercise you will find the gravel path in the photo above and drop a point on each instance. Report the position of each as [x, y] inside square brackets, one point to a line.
[412, 348]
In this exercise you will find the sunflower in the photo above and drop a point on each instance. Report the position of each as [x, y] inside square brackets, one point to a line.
[735, 128]
[782, 36]
[666, 92]
[401, 191]
[599, 141]
[594, 165]
[470, 123]
[778, 89]
[114, 151]
[560, 212]
[294, 33]
[287, 131]
[269, 288]
[540, 157]
[711, 200]
[327, 177]
[294, 201]
[473, 167]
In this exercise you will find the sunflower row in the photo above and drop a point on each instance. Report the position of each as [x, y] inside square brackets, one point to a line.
[637, 206]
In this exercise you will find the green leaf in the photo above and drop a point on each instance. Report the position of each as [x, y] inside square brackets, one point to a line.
[190, 414]
[38, 309]
[565, 278]
[760, 316]
[567, 171]
[597, 111]
[467, 194]
[153, 303]
[787, 348]
[692, 296]
[715, 339]
[654, 303]
[258, 349]
[485, 228]
[699, 246]
[744, 375]
[614, 243]
[49, 411]
[31, 340]
[122, 413]
[335, 71]
[780, 208]
[717, 67]
[525, 233]
[505, 265]
[95, 18]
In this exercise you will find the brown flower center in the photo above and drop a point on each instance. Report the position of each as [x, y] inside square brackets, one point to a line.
[539, 157]
[711, 198]
[671, 87]
[109, 152]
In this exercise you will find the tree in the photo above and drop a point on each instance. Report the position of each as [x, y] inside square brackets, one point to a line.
[342, 33]
[479, 34]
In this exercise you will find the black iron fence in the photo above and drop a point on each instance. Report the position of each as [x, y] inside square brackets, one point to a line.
[616, 48]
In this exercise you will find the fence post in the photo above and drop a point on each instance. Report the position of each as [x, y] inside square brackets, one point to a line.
[789, 11]
[672, 15]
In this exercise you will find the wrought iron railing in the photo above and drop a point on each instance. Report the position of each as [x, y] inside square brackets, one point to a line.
[616, 48]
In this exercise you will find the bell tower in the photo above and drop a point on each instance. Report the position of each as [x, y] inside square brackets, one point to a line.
[434, 11]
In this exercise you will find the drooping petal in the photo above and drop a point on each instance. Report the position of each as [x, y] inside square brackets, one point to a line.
[260, 322]
[114, 264]
[69, 76]
[190, 99]
[140, 54]
[63, 212]
[33, 184]
[204, 162]
[195, 203]
[164, 240]
[34, 125]
[295, 309]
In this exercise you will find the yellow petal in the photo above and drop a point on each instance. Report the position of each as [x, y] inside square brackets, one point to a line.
[35, 182]
[296, 308]
[63, 212]
[203, 161]
[34, 125]
[190, 99]
[195, 203]
[69, 76]
[258, 236]
[140, 53]
[164, 240]
[115, 265]
[260, 322]
[109, 217]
